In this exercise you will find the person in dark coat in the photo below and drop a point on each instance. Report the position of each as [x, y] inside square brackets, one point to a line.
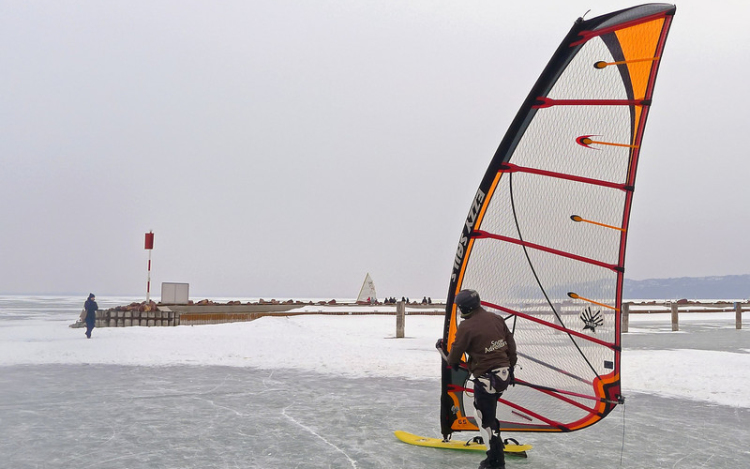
[91, 307]
[491, 351]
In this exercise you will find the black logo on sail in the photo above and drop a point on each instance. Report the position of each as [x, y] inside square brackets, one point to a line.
[591, 319]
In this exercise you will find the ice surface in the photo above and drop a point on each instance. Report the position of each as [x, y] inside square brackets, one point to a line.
[328, 391]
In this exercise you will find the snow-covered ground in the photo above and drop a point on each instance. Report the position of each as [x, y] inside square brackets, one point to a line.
[359, 346]
[222, 396]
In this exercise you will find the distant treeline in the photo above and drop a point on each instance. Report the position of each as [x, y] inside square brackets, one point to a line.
[728, 287]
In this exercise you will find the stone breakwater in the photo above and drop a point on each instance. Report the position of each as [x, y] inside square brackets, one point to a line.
[136, 314]
[209, 312]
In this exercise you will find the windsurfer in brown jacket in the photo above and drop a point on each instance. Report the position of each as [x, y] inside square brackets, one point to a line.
[491, 350]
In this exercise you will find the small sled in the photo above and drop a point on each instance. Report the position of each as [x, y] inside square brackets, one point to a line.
[78, 324]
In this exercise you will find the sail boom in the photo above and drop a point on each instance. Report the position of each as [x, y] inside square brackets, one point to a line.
[554, 368]
[539, 387]
[559, 395]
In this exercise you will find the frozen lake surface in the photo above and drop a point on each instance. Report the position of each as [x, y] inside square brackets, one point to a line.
[108, 416]
[56, 414]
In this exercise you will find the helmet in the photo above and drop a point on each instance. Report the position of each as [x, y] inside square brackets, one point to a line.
[467, 301]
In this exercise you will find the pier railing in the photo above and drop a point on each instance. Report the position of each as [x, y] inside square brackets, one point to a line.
[677, 307]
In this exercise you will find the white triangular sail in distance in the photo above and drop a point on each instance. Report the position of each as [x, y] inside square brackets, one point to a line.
[367, 292]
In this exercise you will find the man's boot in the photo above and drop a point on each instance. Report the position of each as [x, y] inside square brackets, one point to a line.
[495, 456]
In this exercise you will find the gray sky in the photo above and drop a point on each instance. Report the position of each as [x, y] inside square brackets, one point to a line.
[285, 148]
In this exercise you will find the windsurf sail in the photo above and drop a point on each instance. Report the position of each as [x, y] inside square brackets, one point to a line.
[544, 241]
[367, 292]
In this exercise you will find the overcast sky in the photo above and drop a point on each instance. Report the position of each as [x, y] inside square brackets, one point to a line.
[286, 148]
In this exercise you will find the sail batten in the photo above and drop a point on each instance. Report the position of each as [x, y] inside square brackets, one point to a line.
[479, 234]
[545, 238]
[514, 168]
[543, 102]
[552, 325]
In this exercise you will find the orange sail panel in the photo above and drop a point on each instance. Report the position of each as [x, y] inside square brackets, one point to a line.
[544, 241]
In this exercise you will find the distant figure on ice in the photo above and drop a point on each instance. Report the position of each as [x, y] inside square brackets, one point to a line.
[91, 307]
[485, 337]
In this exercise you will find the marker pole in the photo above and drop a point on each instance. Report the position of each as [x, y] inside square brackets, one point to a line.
[149, 248]
[148, 279]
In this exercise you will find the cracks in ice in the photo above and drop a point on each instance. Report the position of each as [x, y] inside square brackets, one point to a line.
[313, 432]
[210, 401]
[98, 447]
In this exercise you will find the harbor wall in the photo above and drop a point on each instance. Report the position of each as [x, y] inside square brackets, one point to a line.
[199, 314]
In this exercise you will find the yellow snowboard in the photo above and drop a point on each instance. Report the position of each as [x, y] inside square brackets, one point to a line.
[510, 448]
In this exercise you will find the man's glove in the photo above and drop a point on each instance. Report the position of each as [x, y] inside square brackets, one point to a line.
[439, 344]
[511, 377]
